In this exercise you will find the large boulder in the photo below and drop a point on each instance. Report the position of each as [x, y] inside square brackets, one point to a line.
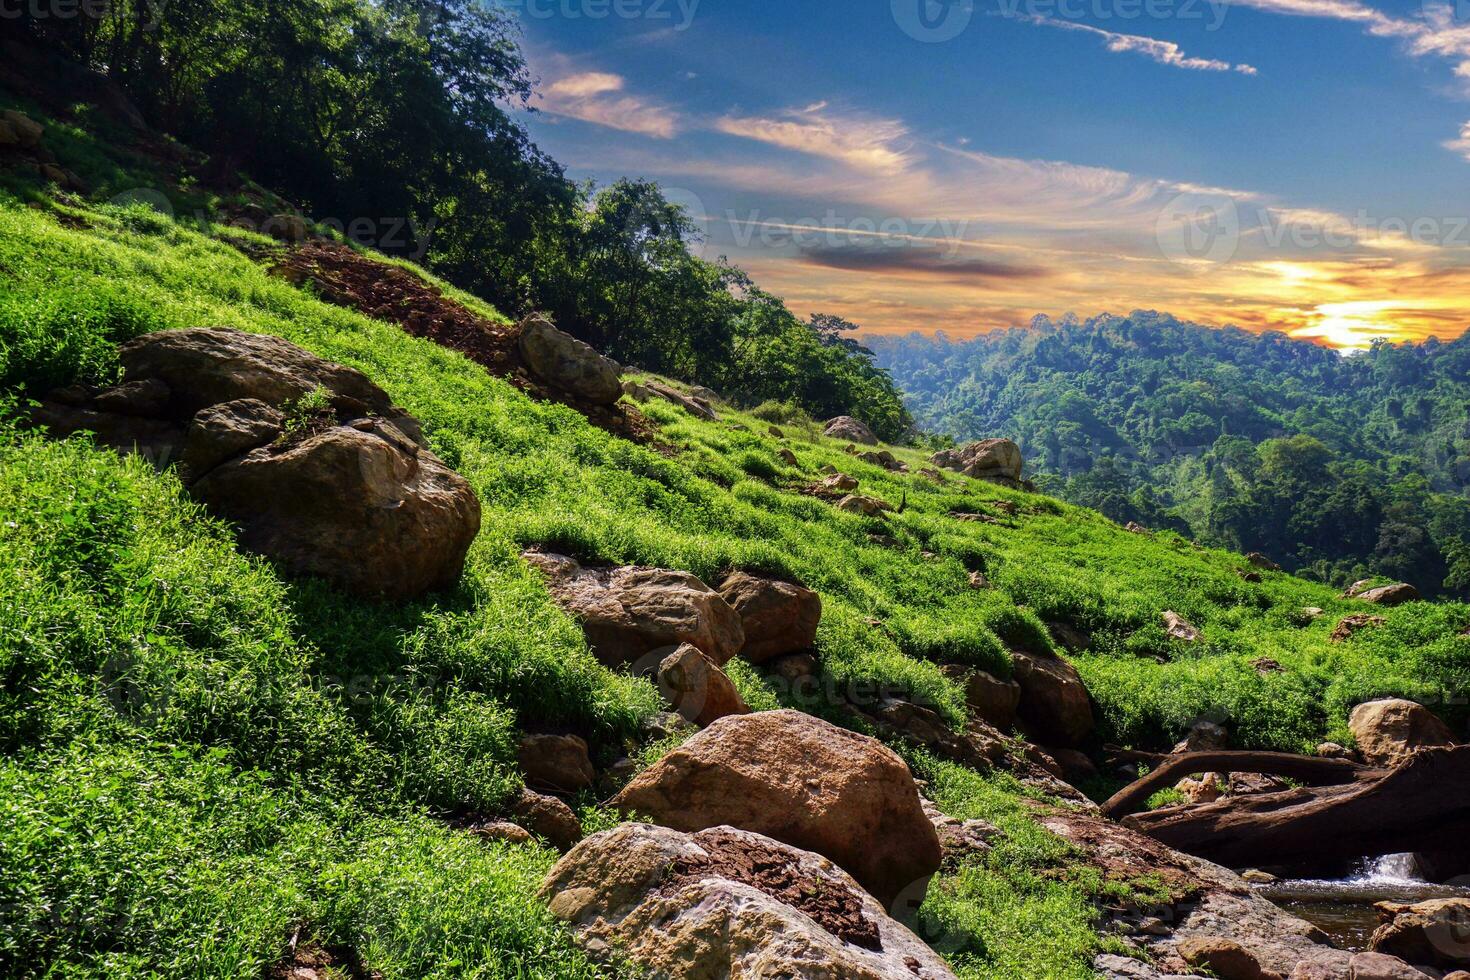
[339, 485]
[778, 617]
[724, 903]
[559, 763]
[991, 699]
[803, 781]
[997, 460]
[206, 366]
[1388, 732]
[1433, 933]
[697, 689]
[1395, 594]
[849, 428]
[19, 130]
[629, 611]
[1055, 705]
[568, 364]
[364, 507]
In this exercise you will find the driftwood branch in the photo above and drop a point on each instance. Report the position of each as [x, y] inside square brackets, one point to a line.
[1307, 769]
[1423, 805]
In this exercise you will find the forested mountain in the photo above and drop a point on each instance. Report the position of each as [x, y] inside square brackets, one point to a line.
[1335, 465]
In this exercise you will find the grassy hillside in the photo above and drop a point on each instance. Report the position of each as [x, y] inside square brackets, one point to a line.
[203, 758]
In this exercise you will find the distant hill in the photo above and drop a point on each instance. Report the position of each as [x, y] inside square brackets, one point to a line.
[1338, 466]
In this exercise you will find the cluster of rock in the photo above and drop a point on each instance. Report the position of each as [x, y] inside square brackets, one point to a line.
[343, 487]
[23, 139]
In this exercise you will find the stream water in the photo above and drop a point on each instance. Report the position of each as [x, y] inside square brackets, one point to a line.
[1343, 908]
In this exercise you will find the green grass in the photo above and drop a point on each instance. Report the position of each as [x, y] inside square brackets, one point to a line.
[159, 686]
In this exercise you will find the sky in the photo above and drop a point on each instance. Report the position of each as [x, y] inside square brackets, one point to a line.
[963, 165]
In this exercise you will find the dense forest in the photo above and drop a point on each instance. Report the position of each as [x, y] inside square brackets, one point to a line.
[1338, 466]
[410, 108]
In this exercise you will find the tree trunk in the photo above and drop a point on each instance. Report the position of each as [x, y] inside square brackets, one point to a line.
[1422, 805]
[1307, 769]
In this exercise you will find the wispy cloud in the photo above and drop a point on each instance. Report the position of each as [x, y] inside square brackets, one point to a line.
[866, 144]
[1461, 145]
[598, 97]
[1164, 52]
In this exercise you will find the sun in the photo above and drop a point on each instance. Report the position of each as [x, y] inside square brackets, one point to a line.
[1350, 326]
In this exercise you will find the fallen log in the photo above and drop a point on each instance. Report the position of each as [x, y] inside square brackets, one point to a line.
[1304, 768]
[1423, 805]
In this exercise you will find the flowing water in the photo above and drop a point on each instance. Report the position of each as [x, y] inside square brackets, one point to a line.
[1343, 908]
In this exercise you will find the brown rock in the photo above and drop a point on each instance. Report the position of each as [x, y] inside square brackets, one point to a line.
[882, 458]
[1331, 750]
[1206, 789]
[558, 763]
[840, 483]
[1379, 966]
[222, 432]
[1388, 732]
[1054, 702]
[725, 903]
[204, 367]
[1391, 595]
[27, 133]
[788, 457]
[547, 818]
[1260, 561]
[1354, 624]
[778, 617]
[629, 611]
[502, 830]
[1203, 736]
[1181, 629]
[855, 504]
[998, 460]
[1075, 766]
[849, 428]
[693, 404]
[567, 363]
[147, 397]
[368, 510]
[696, 688]
[1069, 637]
[991, 699]
[979, 581]
[793, 777]
[1225, 958]
[1433, 933]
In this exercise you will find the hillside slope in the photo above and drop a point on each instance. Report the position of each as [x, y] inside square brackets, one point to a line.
[208, 763]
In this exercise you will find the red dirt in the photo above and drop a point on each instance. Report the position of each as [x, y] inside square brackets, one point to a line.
[770, 870]
[396, 295]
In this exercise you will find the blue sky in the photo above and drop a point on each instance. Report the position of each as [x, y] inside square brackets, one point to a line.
[1292, 164]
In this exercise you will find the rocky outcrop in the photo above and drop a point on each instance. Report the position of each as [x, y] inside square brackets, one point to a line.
[989, 698]
[1383, 595]
[1055, 705]
[559, 763]
[697, 689]
[629, 611]
[996, 460]
[346, 491]
[1433, 933]
[1388, 732]
[1355, 623]
[723, 903]
[547, 818]
[849, 428]
[778, 617]
[803, 781]
[1181, 629]
[566, 363]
